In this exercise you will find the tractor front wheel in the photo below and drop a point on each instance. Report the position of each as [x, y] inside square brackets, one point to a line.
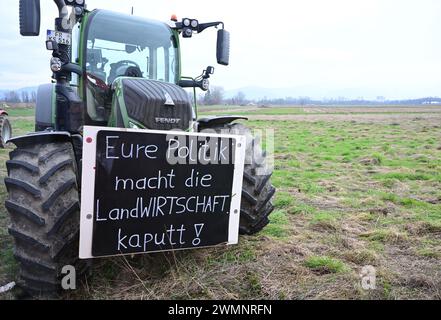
[43, 204]
[257, 190]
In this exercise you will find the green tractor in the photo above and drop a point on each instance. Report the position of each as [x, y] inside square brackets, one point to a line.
[111, 70]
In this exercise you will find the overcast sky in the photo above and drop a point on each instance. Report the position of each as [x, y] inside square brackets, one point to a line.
[392, 47]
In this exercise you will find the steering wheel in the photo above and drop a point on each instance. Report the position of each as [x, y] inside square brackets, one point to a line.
[124, 62]
[132, 70]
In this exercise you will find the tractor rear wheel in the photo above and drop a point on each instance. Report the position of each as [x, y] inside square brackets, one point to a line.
[43, 204]
[5, 131]
[257, 190]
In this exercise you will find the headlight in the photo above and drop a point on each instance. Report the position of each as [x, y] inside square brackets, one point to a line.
[205, 84]
[55, 64]
[75, 2]
[186, 22]
[188, 33]
[194, 24]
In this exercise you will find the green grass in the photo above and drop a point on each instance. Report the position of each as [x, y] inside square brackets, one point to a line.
[348, 194]
[404, 201]
[358, 168]
[278, 226]
[284, 200]
[385, 236]
[8, 265]
[406, 176]
[325, 264]
[237, 255]
[324, 217]
[21, 112]
[21, 127]
[429, 253]
[302, 208]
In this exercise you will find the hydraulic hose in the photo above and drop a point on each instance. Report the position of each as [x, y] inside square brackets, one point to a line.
[60, 4]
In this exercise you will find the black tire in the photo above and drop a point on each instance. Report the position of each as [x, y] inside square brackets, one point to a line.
[5, 131]
[43, 203]
[257, 190]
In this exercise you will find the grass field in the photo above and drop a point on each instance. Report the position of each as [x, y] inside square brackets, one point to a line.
[356, 187]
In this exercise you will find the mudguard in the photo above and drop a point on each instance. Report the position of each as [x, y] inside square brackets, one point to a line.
[41, 137]
[208, 122]
[3, 112]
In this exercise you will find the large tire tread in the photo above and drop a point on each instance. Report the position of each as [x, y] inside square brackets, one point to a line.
[43, 204]
[257, 190]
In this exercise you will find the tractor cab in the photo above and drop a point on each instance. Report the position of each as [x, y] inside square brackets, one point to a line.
[115, 45]
[117, 70]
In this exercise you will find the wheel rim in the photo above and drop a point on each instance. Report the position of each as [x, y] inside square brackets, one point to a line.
[6, 131]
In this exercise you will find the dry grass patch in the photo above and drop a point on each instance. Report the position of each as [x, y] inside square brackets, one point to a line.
[361, 257]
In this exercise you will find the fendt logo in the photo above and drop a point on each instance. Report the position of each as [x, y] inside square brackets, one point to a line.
[168, 99]
[167, 120]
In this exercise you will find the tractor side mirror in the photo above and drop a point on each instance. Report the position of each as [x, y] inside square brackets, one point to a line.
[29, 17]
[223, 47]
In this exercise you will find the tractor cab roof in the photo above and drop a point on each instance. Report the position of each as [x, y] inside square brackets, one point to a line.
[123, 28]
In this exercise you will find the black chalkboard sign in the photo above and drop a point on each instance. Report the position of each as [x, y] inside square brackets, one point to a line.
[158, 191]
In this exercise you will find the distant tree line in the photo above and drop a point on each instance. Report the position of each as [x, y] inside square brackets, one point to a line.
[305, 101]
[216, 96]
[17, 97]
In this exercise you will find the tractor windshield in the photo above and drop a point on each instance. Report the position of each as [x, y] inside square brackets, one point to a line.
[121, 45]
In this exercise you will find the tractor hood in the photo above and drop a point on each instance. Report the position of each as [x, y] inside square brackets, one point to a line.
[153, 104]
